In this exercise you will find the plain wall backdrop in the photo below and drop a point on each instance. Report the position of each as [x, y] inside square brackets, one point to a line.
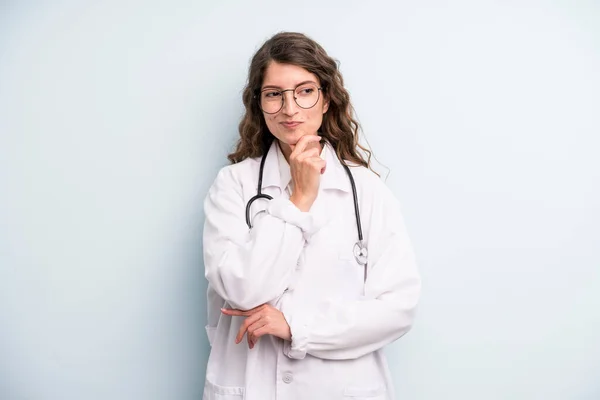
[115, 117]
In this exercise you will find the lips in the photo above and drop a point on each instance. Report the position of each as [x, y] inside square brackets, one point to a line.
[291, 124]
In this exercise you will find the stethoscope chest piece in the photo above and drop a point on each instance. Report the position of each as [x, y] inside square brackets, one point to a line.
[360, 253]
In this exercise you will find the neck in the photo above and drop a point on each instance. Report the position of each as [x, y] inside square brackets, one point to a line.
[286, 150]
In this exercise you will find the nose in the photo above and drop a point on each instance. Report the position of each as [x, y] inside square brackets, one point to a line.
[289, 104]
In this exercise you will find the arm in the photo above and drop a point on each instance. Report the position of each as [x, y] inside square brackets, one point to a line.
[249, 267]
[351, 329]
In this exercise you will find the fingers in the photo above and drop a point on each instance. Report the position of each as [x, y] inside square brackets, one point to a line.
[235, 313]
[259, 321]
[263, 330]
[249, 321]
[242, 313]
[311, 156]
[304, 142]
[308, 153]
[308, 150]
[252, 337]
[318, 164]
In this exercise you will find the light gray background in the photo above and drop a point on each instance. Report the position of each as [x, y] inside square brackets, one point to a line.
[116, 115]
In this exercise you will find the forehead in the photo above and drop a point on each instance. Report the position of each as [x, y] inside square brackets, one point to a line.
[286, 75]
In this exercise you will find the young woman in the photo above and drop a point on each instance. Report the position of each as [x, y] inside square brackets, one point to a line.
[310, 270]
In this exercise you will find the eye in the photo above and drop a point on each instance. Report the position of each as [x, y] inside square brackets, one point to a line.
[306, 91]
[270, 94]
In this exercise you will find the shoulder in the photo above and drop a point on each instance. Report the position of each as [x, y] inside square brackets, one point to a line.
[233, 176]
[238, 172]
[368, 180]
[373, 189]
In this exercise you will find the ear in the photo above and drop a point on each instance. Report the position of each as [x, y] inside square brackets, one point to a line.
[325, 104]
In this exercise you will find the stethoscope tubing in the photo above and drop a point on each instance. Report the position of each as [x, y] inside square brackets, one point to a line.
[259, 194]
[360, 250]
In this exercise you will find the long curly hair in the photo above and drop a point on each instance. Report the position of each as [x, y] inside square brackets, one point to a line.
[339, 127]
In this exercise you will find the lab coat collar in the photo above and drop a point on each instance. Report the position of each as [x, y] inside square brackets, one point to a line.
[335, 176]
[285, 175]
[277, 170]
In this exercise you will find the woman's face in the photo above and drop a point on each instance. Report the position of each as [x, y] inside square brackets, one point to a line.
[292, 122]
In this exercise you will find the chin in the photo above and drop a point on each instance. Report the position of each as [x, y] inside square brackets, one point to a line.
[300, 134]
[290, 138]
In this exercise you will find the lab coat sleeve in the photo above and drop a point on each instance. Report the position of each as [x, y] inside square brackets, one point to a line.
[352, 328]
[250, 267]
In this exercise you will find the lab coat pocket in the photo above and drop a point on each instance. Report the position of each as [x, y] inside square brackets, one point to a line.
[213, 391]
[365, 393]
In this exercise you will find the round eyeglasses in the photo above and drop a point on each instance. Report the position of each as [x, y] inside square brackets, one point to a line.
[305, 95]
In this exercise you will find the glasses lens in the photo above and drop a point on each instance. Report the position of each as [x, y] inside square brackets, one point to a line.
[271, 101]
[307, 95]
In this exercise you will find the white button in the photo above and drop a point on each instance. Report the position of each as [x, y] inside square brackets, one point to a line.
[288, 378]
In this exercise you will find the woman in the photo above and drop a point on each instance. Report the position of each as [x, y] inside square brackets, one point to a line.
[293, 310]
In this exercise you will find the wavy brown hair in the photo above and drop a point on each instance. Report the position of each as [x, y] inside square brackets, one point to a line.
[339, 127]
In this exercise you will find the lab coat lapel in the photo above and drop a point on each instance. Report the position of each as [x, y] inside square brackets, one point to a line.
[271, 174]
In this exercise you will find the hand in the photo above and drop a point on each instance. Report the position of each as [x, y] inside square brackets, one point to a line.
[262, 320]
[306, 167]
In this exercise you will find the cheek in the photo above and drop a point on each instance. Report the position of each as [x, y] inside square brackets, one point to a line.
[315, 117]
[271, 124]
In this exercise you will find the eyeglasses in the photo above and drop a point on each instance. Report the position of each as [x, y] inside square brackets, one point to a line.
[305, 95]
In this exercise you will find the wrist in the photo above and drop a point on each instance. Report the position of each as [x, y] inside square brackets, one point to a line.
[303, 203]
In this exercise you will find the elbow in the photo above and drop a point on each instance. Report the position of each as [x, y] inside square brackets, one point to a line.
[404, 326]
[405, 306]
[403, 321]
[241, 293]
[248, 301]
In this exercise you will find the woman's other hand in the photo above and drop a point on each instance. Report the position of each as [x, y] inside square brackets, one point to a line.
[306, 167]
[262, 320]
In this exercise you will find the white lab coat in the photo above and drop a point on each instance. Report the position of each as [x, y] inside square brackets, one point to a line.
[303, 264]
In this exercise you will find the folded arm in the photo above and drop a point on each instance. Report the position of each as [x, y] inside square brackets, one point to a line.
[250, 267]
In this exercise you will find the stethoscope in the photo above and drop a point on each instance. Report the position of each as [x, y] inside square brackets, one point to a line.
[359, 250]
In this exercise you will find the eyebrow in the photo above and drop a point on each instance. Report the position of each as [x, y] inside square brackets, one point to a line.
[279, 87]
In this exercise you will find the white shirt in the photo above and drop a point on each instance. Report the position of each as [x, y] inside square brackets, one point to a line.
[304, 265]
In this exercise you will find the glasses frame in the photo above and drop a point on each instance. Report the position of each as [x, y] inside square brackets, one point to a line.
[258, 97]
